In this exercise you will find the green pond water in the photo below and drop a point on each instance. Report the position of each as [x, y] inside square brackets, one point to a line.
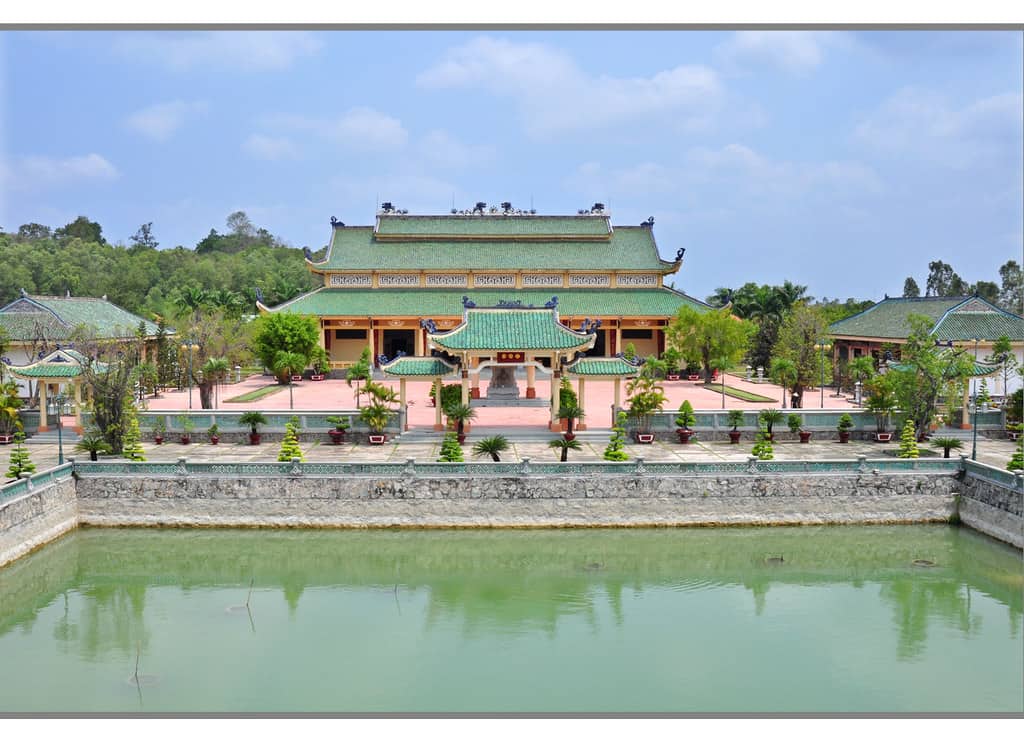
[671, 620]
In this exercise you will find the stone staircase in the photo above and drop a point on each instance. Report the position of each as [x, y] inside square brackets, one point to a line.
[964, 435]
[50, 437]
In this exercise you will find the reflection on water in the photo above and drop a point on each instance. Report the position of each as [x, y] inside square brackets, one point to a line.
[787, 619]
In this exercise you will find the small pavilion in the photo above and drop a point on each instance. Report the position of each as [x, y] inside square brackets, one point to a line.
[59, 368]
[503, 338]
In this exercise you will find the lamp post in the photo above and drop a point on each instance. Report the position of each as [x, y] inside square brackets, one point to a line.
[974, 435]
[190, 346]
[56, 407]
[821, 347]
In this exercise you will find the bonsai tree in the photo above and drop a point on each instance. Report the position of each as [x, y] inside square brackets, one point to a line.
[20, 461]
[253, 420]
[768, 417]
[566, 395]
[686, 418]
[672, 358]
[793, 422]
[187, 425]
[159, 428]
[844, 426]
[564, 445]
[320, 360]
[882, 401]
[340, 423]
[908, 440]
[946, 444]
[213, 434]
[93, 443]
[570, 414]
[459, 414]
[1017, 461]
[290, 444]
[616, 449]
[132, 444]
[763, 445]
[645, 398]
[451, 451]
[492, 446]
[735, 417]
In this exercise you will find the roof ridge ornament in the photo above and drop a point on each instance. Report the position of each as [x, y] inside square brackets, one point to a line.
[553, 303]
[466, 303]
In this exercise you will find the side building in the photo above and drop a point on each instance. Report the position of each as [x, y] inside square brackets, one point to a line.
[380, 281]
[884, 328]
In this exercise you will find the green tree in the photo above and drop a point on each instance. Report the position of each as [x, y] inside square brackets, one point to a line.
[451, 451]
[290, 444]
[987, 290]
[616, 449]
[645, 398]
[910, 289]
[492, 446]
[803, 328]
[20, 461]
[132, 439]
[34, 232]
[783, 371]
[940, 279]
[1017, 461]
[81, 228]
[563, 445]
[284, 332]
[709, 335]
[882, 401]
[143, 238]
[1011, 293]
[763, 446]
[908, 440]
[360, 371]
[1002, 355]
[108, 376]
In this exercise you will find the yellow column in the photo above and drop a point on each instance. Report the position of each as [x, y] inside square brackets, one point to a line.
[474, 382]
[531, 380]
[420, 350]
[581, 388]
[465, 386]
[78, 406]
[438, 426]
[555, 395]
[618, 337]
[964, 416]
[401, 401]
[373, 345]
[43, 420]
[321, 339]
[618, 393]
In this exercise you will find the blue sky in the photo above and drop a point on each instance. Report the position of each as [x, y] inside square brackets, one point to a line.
[843, 161]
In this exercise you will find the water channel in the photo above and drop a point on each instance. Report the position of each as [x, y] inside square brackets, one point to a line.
[805, 619]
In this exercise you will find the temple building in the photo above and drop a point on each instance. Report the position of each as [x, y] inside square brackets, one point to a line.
[380, 281]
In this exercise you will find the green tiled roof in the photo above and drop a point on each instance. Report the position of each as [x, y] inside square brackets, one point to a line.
[977, 369]
[888, 319]
[46, 371]
[428, 302]
[59, 317]
[427, 227]
[417, 367]
[510, 328]
[630, 248]
[602, 366]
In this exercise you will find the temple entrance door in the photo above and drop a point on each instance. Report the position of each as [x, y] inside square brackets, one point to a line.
[396, 340]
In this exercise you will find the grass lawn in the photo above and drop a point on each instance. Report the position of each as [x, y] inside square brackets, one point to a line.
[737, 393]
[256, 394]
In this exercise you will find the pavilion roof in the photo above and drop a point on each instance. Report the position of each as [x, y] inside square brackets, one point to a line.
[56, 317]
[61, 363]
[420, 367]
[603, 366]
[596, 226]
[958, 318]
[511, 329]
[429, 302]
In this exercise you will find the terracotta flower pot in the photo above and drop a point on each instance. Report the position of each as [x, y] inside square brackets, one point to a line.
[883, 436]
[644, 438]
[158, 439]
[254, 439]
[844, 437]
[684, 435]
[805, 437]
[378, 439]
[214, 439]
[186, 439]
[734, 437]
[337, 436]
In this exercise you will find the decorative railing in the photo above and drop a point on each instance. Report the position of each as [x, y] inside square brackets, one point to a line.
[227, 421]
[525, 467]
[1004, 478]
[25, 485]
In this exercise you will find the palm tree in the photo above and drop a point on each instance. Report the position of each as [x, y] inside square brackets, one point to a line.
[215, 369]
[564, 445]
[228, 300]
[287, 364]
[490, 446]
[947, 444]
[570, 414]
[784, 372]
[190, 300]
[460, 414]
[790, 294]
[861, 368]
[93, 443]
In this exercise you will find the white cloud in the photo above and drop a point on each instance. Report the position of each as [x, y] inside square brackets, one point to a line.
[645, 178]
[442, 149]
[556, 96]
[34, 173]
[917, 123]
[795, 51]
[160, 121]
[244, 50]
[270, 147]
[358, 128]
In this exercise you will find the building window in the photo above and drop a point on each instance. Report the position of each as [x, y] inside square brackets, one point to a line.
[350, 333]
[637, 334]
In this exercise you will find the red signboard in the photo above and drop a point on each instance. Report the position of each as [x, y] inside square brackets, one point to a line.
[511, 356]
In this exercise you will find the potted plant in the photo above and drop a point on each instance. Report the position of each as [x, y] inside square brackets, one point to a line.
[159, 427]
[187, 425]
[693, 372]
[735, 419]
[685, 419]
[794, 422]
[253, 420]
[844, 427]
[646, 398]
[213, 434]
[569, 414]
[378, 411]
[341, 426]
[459, 414]
[672, 357]
[321, 362]
[768, 417]
[881, 402]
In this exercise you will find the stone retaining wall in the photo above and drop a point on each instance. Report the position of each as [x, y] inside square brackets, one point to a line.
[32, 519]
[536, 501]
[996, 510]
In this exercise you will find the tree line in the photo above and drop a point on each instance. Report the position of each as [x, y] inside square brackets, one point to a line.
[143, 279]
